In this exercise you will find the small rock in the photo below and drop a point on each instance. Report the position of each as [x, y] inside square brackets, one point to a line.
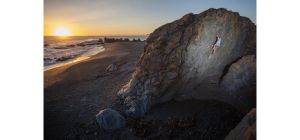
[111, 68]
[110, 119]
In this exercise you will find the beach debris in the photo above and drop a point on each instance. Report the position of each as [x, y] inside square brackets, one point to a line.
[110, 119]
[111, 68]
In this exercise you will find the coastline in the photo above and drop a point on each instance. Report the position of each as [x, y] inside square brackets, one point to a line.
[74, 93]
[86, 55]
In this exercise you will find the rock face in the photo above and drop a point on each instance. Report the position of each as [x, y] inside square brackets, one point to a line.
[241, 80]
[110, 119]
[178, 63]
[240, 74]
[111, 68]
[246, 129]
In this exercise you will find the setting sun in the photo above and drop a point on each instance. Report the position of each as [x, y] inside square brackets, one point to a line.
[62, 31]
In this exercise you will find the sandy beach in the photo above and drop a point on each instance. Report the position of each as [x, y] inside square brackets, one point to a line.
[75, 92]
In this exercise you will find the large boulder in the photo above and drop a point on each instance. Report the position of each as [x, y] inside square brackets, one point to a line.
[246, 129]
[179, 63]
[110, 119]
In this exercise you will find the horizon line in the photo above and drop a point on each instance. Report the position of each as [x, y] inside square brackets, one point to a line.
[96, 35]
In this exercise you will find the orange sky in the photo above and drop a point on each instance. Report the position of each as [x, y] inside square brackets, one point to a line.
[104, 29]
[130, 17]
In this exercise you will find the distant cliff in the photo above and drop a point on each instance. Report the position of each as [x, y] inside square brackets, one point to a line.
[181, 60]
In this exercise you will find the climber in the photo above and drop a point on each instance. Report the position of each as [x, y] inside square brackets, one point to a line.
[217, 44]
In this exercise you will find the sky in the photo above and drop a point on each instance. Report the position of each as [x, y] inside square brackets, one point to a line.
[129, 17]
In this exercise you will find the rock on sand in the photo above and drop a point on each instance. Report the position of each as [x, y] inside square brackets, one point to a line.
[110, 119]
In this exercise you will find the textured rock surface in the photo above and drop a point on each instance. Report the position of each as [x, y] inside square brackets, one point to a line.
[110, 119]
[111, 68]
[178, 63]
[240, 74]
[240, 80]
[246, 129]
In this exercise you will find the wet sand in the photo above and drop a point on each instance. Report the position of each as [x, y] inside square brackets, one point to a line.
[76, 92]
[86, 55]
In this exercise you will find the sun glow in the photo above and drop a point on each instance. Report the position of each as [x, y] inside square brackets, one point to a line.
[62, 31]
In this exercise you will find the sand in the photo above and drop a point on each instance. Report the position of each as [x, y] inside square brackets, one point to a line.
[76, 92]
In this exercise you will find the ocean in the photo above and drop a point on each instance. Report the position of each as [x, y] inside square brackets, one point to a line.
[63, 50]
[60, 41]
